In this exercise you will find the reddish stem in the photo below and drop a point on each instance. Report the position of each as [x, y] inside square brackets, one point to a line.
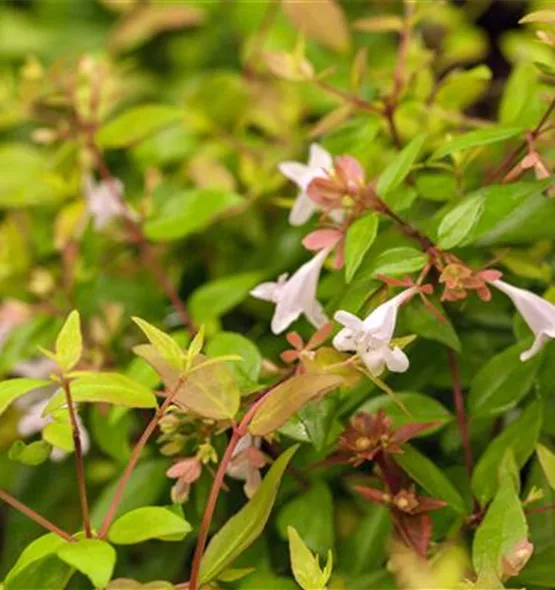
[34, 515]
[133, 459]
[460, 411]
[79, 463]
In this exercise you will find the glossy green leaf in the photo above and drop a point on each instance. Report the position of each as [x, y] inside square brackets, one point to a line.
[92, 557]
[547, 461]
[48, 572]
[110, 388]
[394, 262]
[59, 436]
[518, 94]
[242, 529]
[421, 408]
[247, 371]
[149, 522]
[502, 533]
[430, 477]
[400, 167]
[13, 389]
[458, 223]
[312, 515]
[478, 138]
[306, 566]
[360, 236]
[188, 212]
[288, 398]
[136, 124]
[502, 382]
[217, 297]
[521, 436]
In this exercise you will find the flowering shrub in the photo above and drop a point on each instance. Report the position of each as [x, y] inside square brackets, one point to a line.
[203, 390]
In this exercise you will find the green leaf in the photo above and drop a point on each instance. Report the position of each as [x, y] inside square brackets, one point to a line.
[521, 436]
[518, 94]
[421, 408]
[421, 321]
[59, 436]
[546, 16]
[242, 529]
[189, 212]
[69, 344]
[13, 389]
[149, 522]
[360, 236]
[395, 262]
[36, 551]
[217, 297]
[458, 223]
[477, 139]
[540, 570]
[92, 557]
[502, 382]
[430, 477]
[136, 124]
[48, 572]
[306, 567]
[400, 167]
[110, 388]
[288, 398]
[162, 342]
[547, 461]
[312, 514]
[195, 347]
[34, 453]
[247, 371]
[500, 534]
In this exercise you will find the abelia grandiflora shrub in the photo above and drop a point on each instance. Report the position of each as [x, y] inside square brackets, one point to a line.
[343, 379]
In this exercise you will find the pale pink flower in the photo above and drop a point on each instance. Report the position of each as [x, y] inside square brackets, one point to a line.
[186, 471]
[246, 462]
[102, 203]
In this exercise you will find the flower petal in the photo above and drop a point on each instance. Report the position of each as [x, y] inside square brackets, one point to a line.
[303, 209]
[294, 171]
[319, 158]
[381, 322]
[266, 291]
[396, 360]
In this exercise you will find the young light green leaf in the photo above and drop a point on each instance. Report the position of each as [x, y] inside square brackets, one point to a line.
[546, 16]
[13, 389]
[163, 343]
[34, 453]
[196, 346]
[501, 546]
[522, 436]
[92, 557]
[547, 461]
[111, 388]
[400, 167]
[288, 398]
[149, 522]
[360, 236]
[502, 382]
[136, 124]
[477, 139]
[69, 344]
[188, 212]
[394, 262]
[421, 408]
[306, 566]
[430, 477]
[458, 223]
[59, 436]
[518, 94]
[242, 529]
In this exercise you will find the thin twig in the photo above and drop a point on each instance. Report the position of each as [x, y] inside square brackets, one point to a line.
[79, 463]
[349, 98]
[458, 399]
[134, 458]
[44, 522]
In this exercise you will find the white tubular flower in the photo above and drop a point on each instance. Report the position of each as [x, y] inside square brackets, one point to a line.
[102, 203]
[319, 164]
[537, 312]
[296, 295]
[246, 462]
[371, 338]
